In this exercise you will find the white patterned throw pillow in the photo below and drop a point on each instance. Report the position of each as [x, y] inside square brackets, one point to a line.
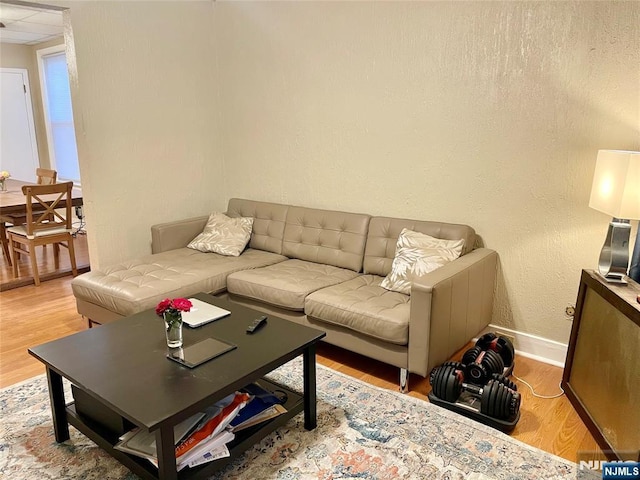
[224, 235]
[416, 255]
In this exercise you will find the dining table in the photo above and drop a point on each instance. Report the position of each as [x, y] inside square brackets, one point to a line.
[13, 201]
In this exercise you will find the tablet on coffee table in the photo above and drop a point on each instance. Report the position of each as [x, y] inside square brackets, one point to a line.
[200, 352]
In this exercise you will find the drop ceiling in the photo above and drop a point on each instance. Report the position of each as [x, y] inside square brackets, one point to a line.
[27, 25]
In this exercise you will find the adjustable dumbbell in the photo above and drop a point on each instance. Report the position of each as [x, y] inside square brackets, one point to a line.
[498, 398]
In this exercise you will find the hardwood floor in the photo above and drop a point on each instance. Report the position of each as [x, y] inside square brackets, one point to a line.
[32, 315]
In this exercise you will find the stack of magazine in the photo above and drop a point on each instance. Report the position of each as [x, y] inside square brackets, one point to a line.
[204, 436]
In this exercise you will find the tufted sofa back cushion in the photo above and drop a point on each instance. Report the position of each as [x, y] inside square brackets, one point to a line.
[384, 232]
[268, 222]
[326, 236]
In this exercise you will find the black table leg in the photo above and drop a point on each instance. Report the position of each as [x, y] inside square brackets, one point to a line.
[309, 368]
[58, 406]
[166, 451]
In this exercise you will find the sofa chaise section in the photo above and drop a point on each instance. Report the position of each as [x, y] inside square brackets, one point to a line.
[130, 287]
[173, 270]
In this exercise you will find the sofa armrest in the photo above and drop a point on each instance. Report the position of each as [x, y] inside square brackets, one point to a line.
[177, 234]
[449, 306]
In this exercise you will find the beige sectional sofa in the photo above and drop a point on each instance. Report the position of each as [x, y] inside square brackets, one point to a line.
[321, 268]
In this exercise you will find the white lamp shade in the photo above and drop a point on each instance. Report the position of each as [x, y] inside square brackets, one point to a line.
[616, 184]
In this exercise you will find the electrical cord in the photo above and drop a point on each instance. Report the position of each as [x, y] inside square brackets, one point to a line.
[80, 230]
[536, 394]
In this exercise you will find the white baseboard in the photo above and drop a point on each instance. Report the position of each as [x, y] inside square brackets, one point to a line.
[532, 346]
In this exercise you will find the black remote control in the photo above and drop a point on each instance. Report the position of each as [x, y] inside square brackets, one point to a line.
[257, 323]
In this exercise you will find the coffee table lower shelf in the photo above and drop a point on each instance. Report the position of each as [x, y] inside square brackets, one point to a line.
[106, 439]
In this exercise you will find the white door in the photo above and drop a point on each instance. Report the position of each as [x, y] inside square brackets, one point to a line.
[18, 147]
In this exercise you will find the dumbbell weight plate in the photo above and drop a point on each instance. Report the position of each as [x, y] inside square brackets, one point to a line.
[446, 384]
[435, 370]
[492, 361]
[471, 355]
[514, 405]
[503, 401]
[494, 400]
[499, 401]
[456, 365]
[506, 350]
[453, 385]
[499, 344]
[485, 340]
[487, 399]
[436, 381]
[504, 381]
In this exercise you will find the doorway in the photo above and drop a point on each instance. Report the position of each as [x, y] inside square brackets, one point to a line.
[30, 28]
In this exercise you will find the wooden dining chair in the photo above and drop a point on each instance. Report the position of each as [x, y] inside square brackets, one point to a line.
[47, 223]
[44, 176]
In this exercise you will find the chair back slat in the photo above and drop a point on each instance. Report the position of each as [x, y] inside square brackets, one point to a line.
[44, 205]
[46, 176]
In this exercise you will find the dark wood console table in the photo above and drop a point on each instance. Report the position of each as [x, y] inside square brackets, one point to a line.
[602, 371]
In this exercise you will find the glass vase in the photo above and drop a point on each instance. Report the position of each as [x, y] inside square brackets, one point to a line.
[3, 186]
[173, 328]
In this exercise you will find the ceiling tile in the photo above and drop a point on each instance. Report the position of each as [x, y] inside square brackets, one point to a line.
[24, 36]
[47, 18]
[21, 26]
[29, 25]
[11, 12]
[43, 39]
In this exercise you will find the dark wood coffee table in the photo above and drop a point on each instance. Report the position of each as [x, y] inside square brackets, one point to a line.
[121, 372]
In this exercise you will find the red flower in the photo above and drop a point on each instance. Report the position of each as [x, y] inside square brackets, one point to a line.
[182, 304]
[175, 305]
[162, 306]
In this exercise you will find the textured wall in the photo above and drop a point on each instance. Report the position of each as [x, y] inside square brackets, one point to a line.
[144, 97]
[485, 113]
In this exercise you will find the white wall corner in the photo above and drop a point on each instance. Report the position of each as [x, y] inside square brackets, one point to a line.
[532, 346]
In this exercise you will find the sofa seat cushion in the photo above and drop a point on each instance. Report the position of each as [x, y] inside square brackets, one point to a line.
[288, 283]
[131, 287]
[364, 306]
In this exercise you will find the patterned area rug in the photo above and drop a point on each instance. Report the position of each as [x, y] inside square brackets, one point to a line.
[363, 432]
